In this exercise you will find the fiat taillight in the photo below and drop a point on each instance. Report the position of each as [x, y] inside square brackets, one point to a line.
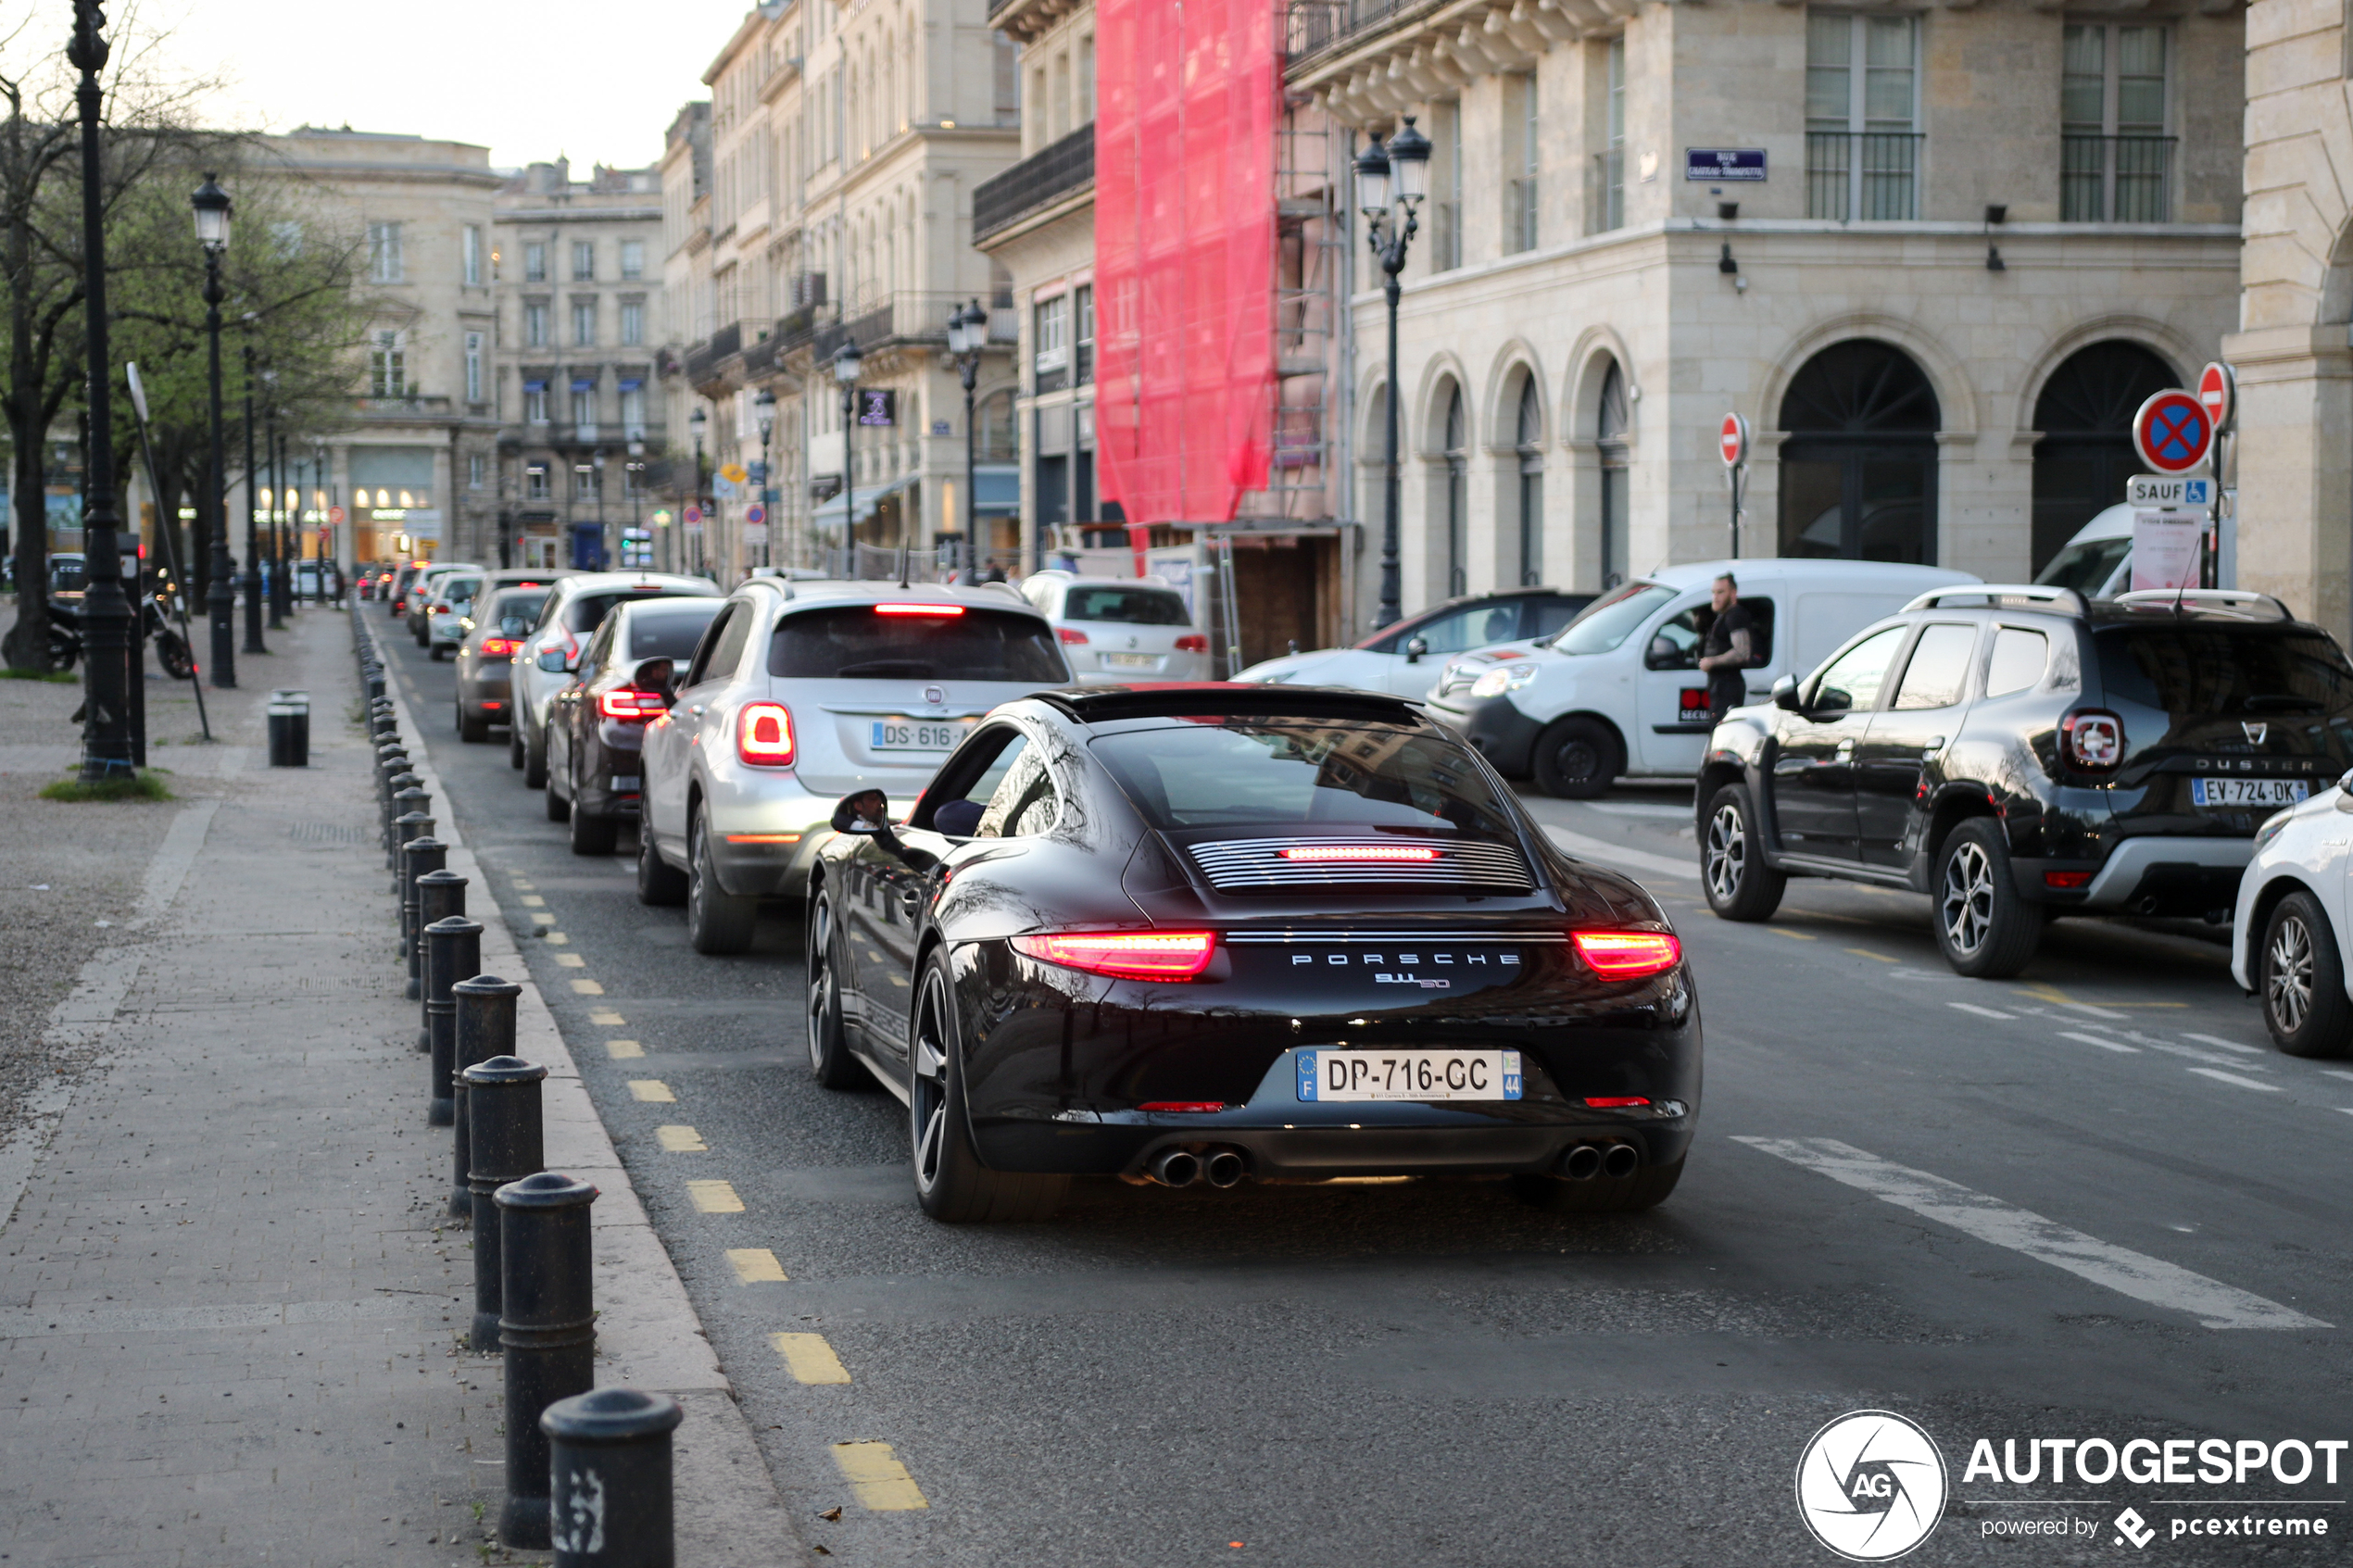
[763, 734]
[630, 705]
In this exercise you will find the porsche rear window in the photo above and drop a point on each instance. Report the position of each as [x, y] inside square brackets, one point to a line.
[1247, 773]
[859, 642]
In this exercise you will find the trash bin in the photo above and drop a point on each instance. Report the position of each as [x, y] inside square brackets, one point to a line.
[289, 729]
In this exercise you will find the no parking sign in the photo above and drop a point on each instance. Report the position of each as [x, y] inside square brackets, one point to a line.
[2173, 432]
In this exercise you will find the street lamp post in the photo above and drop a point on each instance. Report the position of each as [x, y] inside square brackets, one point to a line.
[847, 364]
[765, 409]
[253, 541]
[274, 541]
[1390, 229]
[212, 204]
[696, 422]
[106, 612]
[604, 548]
[967, 335]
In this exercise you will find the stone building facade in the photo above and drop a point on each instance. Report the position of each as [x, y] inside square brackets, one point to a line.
[579, 266]
[1934, 257]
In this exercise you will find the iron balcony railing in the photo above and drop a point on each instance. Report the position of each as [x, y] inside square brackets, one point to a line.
[2116, 179]
[1863, 176]
[908, 316]
[1044, 175]
[1310, 27]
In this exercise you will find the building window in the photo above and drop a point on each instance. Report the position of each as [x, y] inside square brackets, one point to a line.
[1606, 210]
[1531, 485]
[2086, 456]
[632, 412]
[1611, 433]
[584, 323]
[535, 402]
[534, 325]
[2116, 162]
[1083, 347]
[632, 258]
[534, 478]
[383, 252]
[584, 260]
[1522, 194]
[584, 411]
[1052, 347]
[633, 322]
[1457, 458]
[1446, 194]
[1859, 465]
[1862, 155]
[534, 262]
[474, 367]
[583, 483]
[475, 464]
[472, 249]
[387, 366]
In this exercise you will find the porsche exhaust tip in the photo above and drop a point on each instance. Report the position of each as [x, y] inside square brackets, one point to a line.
[1224, 1168]
[1622, 1161]
[1177, 1167]
[1583, 1163]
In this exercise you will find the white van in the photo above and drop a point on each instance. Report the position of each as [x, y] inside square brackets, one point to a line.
[2096, 563]
[1618, 691]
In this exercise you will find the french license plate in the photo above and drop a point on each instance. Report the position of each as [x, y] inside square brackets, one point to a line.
[2247, 791]
[625, 784]
[1354, 1076]
[907, 735]
[1131, 660]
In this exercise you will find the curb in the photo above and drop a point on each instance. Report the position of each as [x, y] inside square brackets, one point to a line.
[648, 1334]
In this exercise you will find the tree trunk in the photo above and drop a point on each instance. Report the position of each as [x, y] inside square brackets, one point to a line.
[26, 646]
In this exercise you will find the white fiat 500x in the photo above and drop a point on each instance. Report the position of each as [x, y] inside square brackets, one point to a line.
[2289, 936]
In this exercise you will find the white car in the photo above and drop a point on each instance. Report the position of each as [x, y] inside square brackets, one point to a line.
[1618, 692]
[429, 580]
[2290, 932]
[1401, 658]
[544, 663]
[445, 611]
[2098, 562]
[1115, 630]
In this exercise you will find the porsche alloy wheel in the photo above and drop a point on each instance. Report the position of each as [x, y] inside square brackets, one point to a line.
[951, 1183]
[829, 1060]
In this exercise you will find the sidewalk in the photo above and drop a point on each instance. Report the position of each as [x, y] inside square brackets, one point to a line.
[232, 1313]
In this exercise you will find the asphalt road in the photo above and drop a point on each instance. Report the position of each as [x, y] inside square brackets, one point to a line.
[2091, 1203]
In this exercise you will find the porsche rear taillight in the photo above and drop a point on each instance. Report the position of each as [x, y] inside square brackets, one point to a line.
[2093, 739]
[1627, 954]
[630, 705]
[763, 734]
[1126, 955]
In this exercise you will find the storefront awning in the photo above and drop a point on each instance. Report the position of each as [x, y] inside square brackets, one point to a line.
[829, 515]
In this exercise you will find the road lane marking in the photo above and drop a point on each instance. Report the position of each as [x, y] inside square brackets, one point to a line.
[542, 917]
[571, 960]
[714, 1197]
[1983, 1013]
[623, 1051]
[810, 1359]
[2053, 995]
[756, 1265]
[532, 901]
[2136, 1275]
[875, 1476]
[2191, 1052]
[1618, 857]
[680, 1140]
[651, 1091]
[607, 1020]
[2103, 1045]
[1793, 936]
[524, 881]
[558, 938]
[2221, 1077]
[582, 987]
[2336, 1073]
[1866, 953]
[2230, 1045]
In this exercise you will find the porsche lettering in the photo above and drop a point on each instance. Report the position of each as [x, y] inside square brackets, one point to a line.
[1473, 959]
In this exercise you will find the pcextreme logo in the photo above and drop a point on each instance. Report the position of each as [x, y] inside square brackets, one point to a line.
[1870, 1486]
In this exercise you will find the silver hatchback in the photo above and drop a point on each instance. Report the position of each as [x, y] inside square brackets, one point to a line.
[799, 694]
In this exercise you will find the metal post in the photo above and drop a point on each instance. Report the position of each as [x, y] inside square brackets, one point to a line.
[505, 1142]
[272, 541]
[547, 1327]
[485, 1027]
[419, 855]
[969, 371]
[253, 541]
[221, 578]
[451, 948]
[608, 1455]
[409, 801]
[105, 614]
[849, 477]
[1391, 609]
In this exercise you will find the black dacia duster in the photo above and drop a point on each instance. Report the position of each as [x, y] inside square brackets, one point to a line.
[2017, 753]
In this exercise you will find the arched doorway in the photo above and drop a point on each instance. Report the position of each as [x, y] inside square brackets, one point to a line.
[1455, 452]
[2085, 414]
[1859, 469]
[1611, 431]
[1530, 445]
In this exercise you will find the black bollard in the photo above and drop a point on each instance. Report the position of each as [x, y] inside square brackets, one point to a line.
[504, 1143]
[405, 799]
[609, 1463]
[548, 1328]
[453, 946]
[417, 856]
[440, 893]
[486, 1021]
[396, 775]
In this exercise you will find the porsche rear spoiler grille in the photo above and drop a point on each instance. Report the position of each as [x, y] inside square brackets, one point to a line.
[1238, 864]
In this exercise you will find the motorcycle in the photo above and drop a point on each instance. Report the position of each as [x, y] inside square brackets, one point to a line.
[172, 650]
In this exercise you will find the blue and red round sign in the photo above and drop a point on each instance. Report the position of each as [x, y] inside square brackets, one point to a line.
[2173, 432]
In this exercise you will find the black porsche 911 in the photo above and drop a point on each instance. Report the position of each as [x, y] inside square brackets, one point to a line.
[1226, 932]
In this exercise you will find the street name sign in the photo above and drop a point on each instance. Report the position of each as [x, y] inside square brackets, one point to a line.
[1744, 165]
[2173, 432]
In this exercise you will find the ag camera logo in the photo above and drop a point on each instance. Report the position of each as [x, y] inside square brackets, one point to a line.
[1871, 1485]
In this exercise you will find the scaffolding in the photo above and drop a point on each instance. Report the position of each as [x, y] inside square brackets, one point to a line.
[1310, 259]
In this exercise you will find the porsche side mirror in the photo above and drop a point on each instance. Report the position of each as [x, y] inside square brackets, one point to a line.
[552, 661]
[1416, 648]
[1785, 692]
[865, 812]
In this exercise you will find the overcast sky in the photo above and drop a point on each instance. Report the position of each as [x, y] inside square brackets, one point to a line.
[597, 79]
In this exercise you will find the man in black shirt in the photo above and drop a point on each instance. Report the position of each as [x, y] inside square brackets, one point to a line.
[1724, 652]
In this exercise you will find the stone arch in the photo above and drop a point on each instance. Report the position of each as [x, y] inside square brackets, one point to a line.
[1596, 350]
[1514, 362]
[1959, 401]
[2083, 413]
[2167, 345]
[1425, 433]
[1859, 469]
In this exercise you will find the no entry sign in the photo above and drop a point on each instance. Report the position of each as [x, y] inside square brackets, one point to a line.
[334, 514]
[1731, 441]
[2217, 394]
[2173, 432]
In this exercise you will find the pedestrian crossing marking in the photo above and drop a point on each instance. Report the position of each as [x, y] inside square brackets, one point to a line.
[810, 1359]
[681, 1140]
[652, 1091]
[714, 1197]
[879, 1480]
[756, 1265]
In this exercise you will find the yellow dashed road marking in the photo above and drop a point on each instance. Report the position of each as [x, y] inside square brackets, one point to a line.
[571, 960]
[681, 1140]
[756, 1265]
[532, 901]
[653, 1091]
[810, 1359]
[583, 988]
[1866, 953]
[874, 1474]
[524, 882]
[558, 938]
[606, 1020]
[1798, 935]
[542, 917]
[714, 1197]
[622, 1050]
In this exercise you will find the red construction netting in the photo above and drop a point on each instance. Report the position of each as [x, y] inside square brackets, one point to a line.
[1184, 254]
